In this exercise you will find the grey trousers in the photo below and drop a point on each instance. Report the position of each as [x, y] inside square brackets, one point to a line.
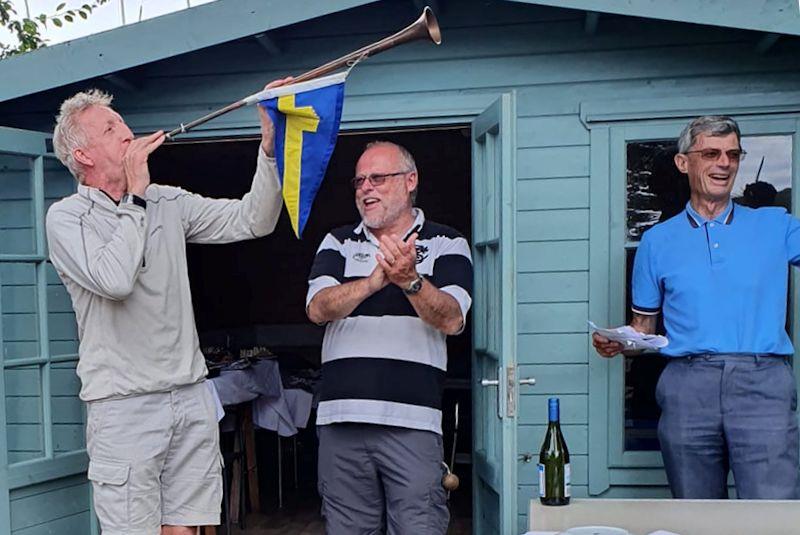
[376, 479]
[729, 411]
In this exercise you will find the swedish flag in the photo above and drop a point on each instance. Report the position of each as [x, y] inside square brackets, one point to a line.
[306, 118]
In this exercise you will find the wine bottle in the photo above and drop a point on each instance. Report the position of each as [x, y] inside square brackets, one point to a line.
[554, 473]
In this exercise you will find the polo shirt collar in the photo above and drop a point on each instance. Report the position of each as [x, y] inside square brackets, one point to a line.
[419, 220]
[696, 220]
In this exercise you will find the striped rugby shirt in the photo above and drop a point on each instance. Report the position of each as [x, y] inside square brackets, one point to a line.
[383, 364]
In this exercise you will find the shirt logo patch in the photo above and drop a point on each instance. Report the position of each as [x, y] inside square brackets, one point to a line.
[361, 257]
[422, 253]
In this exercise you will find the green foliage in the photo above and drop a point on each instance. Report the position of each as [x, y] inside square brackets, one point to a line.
[27, 30]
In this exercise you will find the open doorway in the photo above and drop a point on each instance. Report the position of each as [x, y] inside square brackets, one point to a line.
[252, 295]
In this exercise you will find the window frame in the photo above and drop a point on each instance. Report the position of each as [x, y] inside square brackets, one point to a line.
[50, 464]
[612, 126]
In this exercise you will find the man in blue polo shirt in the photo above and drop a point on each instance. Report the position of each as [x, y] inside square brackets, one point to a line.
[719, 273]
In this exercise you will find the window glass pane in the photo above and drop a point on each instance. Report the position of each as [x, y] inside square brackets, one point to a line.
[765, 175]
[16, 205]
[24, 413]
[61, 325]
[641, 375]
[67, 409]
[20, 313]
[58, 182]
[656, 191]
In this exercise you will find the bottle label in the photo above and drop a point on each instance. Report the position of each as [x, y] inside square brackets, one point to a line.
[566, 480]
[541, 480]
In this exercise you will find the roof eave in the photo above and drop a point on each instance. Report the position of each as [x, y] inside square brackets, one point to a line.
[771, 16]
[153, 40]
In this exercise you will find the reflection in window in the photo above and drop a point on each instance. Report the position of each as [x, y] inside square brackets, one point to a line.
[765, 175]
[656, 191]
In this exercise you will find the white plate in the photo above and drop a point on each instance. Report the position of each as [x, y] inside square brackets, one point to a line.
[595, 530]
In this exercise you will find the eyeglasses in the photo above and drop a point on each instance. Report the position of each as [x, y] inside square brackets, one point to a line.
[712, 155]
[375, 180]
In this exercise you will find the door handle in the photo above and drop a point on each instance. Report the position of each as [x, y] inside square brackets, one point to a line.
[507, 390]
[530, 381]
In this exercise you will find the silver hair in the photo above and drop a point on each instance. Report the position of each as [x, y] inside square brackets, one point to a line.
[68, 134]
[712, 125]
[405, 157]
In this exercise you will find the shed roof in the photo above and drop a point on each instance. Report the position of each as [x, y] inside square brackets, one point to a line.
[155, 39]
[772, 16]
[226, 20]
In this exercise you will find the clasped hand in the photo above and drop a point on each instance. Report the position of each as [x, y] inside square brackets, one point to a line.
[397, 262]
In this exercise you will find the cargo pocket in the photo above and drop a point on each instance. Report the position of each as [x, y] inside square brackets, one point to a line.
[110, 485]
[439, 515]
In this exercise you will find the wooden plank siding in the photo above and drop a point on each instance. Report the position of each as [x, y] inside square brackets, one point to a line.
[60, 506]
[489, 48]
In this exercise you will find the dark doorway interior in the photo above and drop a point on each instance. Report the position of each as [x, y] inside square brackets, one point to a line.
[253, 293]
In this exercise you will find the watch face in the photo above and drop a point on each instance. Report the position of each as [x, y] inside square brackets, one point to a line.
[415, 286]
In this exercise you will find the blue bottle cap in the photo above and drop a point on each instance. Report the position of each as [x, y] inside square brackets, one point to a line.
[552, 410]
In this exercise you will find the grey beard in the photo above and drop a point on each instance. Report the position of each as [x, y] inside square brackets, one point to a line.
[379, 222]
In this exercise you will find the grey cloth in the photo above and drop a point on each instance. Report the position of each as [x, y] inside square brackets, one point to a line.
[377, 479]
[722, 412]
[274, 408]
[284, 414]
[237, 386]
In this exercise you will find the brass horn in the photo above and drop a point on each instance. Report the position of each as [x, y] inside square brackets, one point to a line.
[425, 27]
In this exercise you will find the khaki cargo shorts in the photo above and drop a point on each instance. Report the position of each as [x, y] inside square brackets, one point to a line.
[154, 460]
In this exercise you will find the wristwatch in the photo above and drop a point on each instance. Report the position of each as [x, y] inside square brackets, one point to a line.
[414, 286]
[130, 198]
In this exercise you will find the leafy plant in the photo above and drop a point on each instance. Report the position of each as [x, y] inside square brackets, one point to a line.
[26, 30]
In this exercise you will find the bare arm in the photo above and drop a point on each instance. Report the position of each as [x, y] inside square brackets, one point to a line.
[433, 306]
[337, 302]
[437, 308]
[644, 323]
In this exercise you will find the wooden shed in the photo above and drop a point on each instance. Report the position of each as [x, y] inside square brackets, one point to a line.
[539, 127]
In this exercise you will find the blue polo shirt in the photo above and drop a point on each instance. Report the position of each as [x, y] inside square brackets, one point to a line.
[721, 284]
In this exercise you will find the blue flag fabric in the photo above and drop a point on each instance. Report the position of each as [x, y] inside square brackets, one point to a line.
[306, 125]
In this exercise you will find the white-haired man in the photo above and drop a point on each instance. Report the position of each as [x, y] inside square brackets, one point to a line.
[118, 245]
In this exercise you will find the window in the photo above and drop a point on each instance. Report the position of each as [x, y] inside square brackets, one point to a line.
[633, 185]
[39, 341]
[656, 191]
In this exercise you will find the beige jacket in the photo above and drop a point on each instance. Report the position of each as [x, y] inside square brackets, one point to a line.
[125, 269]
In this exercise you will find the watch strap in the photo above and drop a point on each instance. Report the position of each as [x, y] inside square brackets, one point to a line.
[131, 198]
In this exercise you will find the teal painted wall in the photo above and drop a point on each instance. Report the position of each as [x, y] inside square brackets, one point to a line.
[59, 507]
[489, 48]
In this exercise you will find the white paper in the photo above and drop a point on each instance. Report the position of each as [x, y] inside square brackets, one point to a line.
[631, 339]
